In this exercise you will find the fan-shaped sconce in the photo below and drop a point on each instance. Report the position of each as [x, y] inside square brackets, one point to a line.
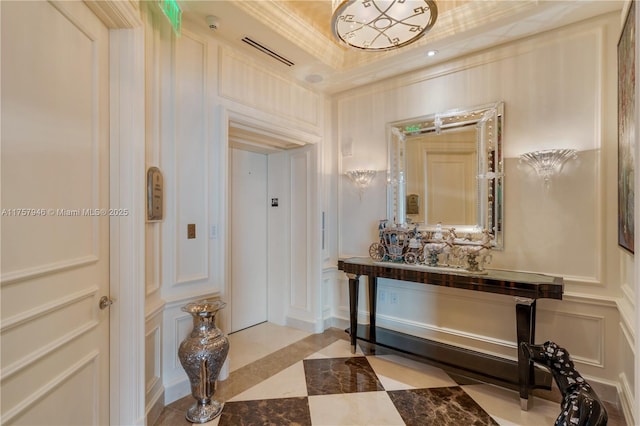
[548, 162]
[361, 179]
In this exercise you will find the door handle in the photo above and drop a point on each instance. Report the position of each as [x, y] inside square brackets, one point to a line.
[105, 302]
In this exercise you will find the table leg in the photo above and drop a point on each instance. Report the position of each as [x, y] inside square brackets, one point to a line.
[373, 297]
[526, 332]
[354, 281]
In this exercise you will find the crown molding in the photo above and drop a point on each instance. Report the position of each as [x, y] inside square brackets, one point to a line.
[117, 13]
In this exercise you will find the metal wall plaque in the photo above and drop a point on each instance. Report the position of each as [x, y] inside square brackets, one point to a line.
[413, 204]
[155, 194]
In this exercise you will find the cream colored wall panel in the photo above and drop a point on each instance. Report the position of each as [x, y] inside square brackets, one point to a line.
[62, 149]
[153, 353]
[487, 322]
[191, 154]
[244, 81]
[299, 163]
[183, 326]
[557, 231]
[584, 335]
[627, 314]
[43, 405]
[451, 316]
[154, 95]
[627, 376]
[153, 247]
[154, 387]
[565, 218]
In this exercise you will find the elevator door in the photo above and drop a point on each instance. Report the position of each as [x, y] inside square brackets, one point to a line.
[248, 238]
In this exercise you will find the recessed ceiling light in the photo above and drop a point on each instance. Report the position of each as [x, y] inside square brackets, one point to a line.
[432, 53]
[314, 78]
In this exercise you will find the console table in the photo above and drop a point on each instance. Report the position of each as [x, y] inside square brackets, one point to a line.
[526, 288]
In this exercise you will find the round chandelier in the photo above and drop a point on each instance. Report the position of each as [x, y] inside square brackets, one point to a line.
[381, 24]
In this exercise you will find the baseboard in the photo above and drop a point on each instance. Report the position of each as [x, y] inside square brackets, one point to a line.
[304, 325]
[627, 401]
[155, 405]
[333, 322]
[179, 388]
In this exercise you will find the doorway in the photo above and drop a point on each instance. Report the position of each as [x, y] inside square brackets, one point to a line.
[248, 217]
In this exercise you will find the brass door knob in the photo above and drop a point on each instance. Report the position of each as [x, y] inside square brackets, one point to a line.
[105, 302]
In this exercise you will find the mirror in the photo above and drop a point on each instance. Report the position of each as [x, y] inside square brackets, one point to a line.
[447, 168]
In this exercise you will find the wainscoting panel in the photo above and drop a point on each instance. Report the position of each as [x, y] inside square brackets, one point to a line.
[626, 387]
[299, 298]
[154, 388]
[468, 319]
[191, 160]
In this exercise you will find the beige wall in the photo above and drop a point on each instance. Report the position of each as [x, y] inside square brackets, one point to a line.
[195, 87]
[559, 90]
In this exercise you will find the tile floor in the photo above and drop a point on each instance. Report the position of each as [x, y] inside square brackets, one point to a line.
[282, 376]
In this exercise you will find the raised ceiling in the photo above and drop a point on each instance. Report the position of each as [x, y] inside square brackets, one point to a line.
[300, 32]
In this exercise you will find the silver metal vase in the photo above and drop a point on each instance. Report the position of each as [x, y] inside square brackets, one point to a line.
[202, 354]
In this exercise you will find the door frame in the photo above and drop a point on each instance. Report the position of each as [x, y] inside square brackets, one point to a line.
[127, 243]
[221, 210]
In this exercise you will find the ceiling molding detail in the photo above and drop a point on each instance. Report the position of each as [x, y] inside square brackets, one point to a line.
[116, 14]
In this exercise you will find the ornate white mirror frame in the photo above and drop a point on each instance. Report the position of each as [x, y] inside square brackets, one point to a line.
[486, 179]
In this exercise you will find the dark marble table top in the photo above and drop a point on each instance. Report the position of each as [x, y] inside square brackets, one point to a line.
[512, 283]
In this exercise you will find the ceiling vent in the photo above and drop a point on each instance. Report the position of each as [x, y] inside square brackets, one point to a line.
[267, 51]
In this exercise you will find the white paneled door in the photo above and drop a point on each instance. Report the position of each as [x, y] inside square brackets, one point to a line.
[55, 218]
[248, 238]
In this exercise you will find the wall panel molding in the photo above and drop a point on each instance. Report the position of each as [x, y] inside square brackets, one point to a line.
[265, 90]
[597, 330]
[300, 292]
[153, 308]
[431, 331]
[191, 153]
[625, 393]
[476, 341]
[590, 299]
[153, 351]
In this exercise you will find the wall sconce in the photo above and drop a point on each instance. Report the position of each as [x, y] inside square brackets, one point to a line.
[361, 179]
[548, 162]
